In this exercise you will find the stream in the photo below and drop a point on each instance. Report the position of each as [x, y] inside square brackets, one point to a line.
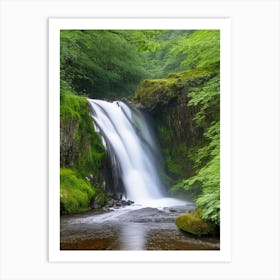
[134, 227]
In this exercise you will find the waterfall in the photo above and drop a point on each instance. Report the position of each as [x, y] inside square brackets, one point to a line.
[130, 143]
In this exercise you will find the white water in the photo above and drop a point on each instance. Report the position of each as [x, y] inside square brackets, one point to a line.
[131, 141]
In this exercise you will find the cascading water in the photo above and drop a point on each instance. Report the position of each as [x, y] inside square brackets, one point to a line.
[129, 141]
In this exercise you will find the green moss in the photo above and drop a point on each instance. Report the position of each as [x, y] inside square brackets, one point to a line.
[176, 155]
[75, 192]
[192, 223]
[81, 154]
[152, 93]
[177, 160]
[164, 133]
[70, 105]
[74, 112]
[165, 137]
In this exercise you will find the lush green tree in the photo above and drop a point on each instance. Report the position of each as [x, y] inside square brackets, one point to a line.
[181, 50]
[145, 40]
[201, 49]
[99, 63]
[162, 61]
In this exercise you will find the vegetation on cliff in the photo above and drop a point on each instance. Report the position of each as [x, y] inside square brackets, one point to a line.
[81, 154]
[84, 149]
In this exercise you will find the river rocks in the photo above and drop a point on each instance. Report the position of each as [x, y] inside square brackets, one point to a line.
[96, 205]
[192, 223]
[118, 202]
[110, 203]
[147, 214]
[179, 209]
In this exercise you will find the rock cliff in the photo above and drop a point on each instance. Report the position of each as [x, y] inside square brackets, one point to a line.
[167, 101]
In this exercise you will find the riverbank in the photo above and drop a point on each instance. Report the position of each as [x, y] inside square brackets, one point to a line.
[133, 227]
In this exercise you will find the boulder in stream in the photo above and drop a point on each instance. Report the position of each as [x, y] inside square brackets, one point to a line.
[192, 223]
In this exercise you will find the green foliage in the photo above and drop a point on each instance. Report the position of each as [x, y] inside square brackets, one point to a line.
[209, 203]
[207, 97]
[201, 49]
[209, 199]
[100, 63]
[207, 176]
[184, 49]
[75, 192]
[162, 61]
[145, 40]
[70, 105]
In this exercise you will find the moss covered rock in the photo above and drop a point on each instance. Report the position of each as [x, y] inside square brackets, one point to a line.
[82, 155]
[75, 192]
[192, 223]
[155, 93]
[80, 145]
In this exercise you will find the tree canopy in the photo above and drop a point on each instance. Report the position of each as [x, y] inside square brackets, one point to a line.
[100, 62]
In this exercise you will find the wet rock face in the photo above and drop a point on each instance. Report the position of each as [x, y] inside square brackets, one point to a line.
[181, 134]
[113, 183]
[167, 101]
[178, 118]
[69, 146]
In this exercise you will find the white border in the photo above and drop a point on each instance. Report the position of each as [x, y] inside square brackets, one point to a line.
[55, 254]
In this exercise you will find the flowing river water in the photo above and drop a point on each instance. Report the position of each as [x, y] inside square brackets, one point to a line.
[131, 228]
[136, 162]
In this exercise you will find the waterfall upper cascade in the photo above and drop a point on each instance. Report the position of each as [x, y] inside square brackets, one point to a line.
[129, 140]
